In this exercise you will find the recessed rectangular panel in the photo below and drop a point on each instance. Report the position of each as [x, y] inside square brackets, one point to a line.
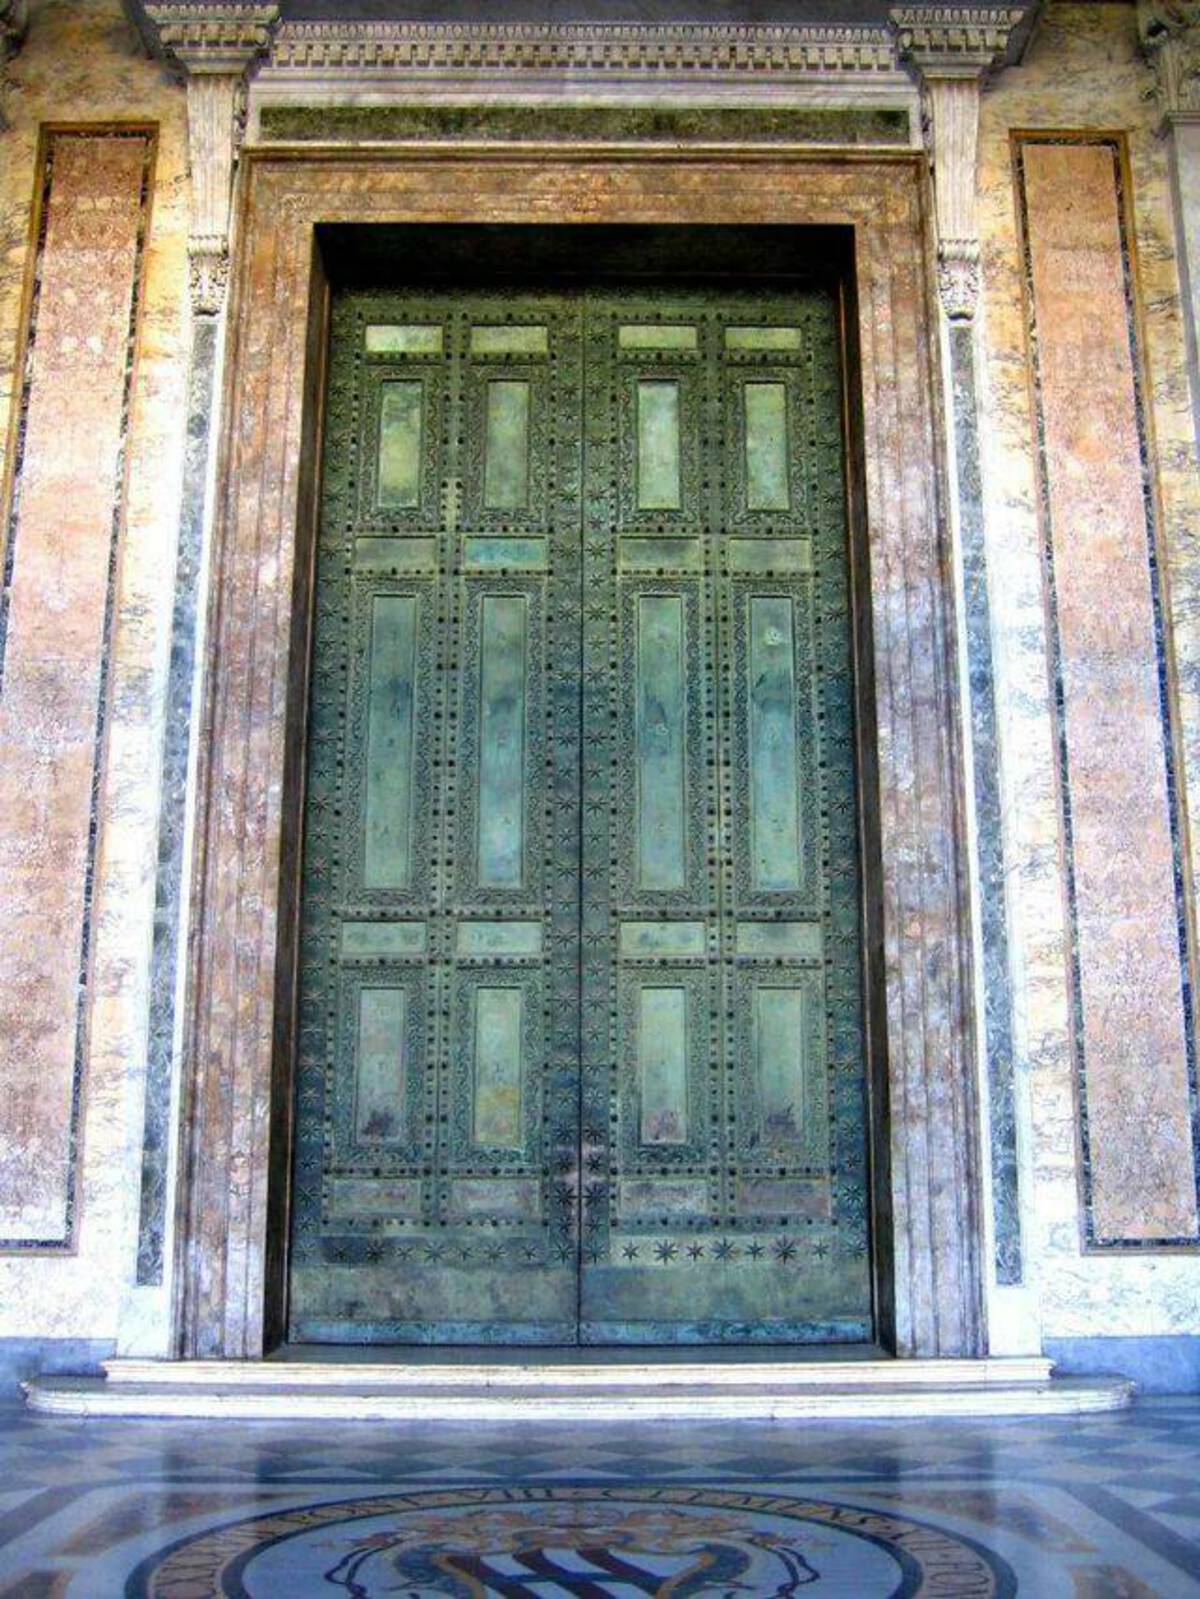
[501, 807]
[657, 336]
[496, 1104]
[661, 555]
[383, 940]
[530, 340]
[379, 1066]
[391, 696]
[483, 939]
[486, 553]
[774, 763]
[506, 450]
[401, 424]
[383, 1198]
[395, 555]
[781, 339]
[780, 940]
[766, 446]
[779, 1062]
[662, 1199]
[769, 555]
[410, 339]
[662, 1065]
[661, 819]
[639, 940]
[777, 1197]
[504, 1198]
[658, 446]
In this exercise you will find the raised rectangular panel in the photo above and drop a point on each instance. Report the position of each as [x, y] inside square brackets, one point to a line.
[401, 425]
[391, 696]
[504, 1198]
[661, 818]
[752, 339]
[766, 446]
[769, 555]
[650, 1199]
[496, 1100]
[658, 446]
[510, 340]
[662, 1065]
[659, 555]
[673, 940]
[379, 1067]
[491, 553]
[382, 1198]
[501, 808]
[384, 338]
[482, 939]
[781, 940]
[780, 1062]
[506, 457]
[806, 1197]
[774, 764]
[383, 940]
[395, 555]
[657, 336]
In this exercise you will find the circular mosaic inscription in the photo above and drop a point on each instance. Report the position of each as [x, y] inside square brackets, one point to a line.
[593, 1543]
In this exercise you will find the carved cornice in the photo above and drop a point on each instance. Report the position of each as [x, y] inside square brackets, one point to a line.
[637, 50]
[1170, 35]
[955, 41]
[213, 38]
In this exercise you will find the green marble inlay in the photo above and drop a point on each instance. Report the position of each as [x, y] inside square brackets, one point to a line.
[657, 336]
[510, 340]
[658, 555]
[400, 427]
[769, 555]
[781, 339]
[659, 734]
[390, 701]
[766, 447]
[506, 456]
[499, 938]
[395, 555]
[781, 940]
[807, 125]
[774, 762]
[674, 940]
[379, 1066]
[658, 458]
[376, 940]
[779, 1058]
[662, 1065]
[496, 1118]
[484, 553]
[415, 339]
[502, 741]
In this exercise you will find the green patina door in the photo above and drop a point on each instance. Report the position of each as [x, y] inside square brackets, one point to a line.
[581, 1042]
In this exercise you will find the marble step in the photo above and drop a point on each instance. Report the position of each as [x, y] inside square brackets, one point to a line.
[711, 1400]
[618, 1370]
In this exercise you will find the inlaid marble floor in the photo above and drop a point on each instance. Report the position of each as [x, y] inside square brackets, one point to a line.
[1104, 1507]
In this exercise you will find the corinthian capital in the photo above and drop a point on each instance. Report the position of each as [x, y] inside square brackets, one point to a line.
[216, 44]
[1170, 34]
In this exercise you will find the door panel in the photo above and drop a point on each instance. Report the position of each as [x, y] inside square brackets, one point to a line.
[581, 1041]
[437, 1124]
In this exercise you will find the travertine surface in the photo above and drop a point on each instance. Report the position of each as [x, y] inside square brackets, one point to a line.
[1082, 71]
[82, 64]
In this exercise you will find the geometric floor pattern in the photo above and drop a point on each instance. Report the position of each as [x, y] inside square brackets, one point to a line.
[1100, 1507]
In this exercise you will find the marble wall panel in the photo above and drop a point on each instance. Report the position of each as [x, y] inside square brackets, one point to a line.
[1082, 71]
[55, 614]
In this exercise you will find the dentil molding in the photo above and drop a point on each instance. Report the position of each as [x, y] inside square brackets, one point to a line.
[216, 44]
[1170, 35]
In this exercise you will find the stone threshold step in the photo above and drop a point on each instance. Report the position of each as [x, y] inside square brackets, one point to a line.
[631, 1372]
[711, 1401]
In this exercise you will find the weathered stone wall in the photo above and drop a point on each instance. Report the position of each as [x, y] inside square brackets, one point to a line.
[82, 65]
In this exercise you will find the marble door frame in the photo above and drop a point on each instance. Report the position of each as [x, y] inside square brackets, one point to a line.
[235, 1156]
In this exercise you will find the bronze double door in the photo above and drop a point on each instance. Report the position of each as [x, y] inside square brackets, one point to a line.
[581, 1051]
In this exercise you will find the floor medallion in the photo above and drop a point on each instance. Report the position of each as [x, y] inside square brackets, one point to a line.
[588, 1542]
